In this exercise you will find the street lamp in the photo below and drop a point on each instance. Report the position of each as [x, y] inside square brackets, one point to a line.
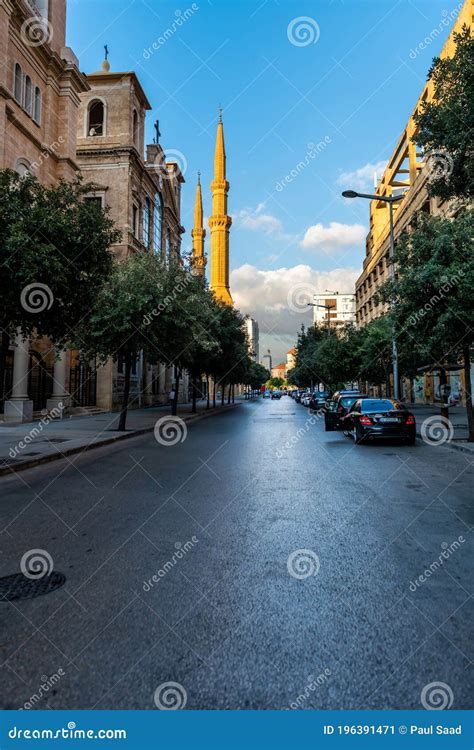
[390, 199]
[326, 307]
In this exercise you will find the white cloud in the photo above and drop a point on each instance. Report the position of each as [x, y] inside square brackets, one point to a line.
[362, 178]
[333, 237]
[265, 295]
[256, 220]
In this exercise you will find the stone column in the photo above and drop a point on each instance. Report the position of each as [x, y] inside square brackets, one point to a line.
[19, 408]
[60, 400]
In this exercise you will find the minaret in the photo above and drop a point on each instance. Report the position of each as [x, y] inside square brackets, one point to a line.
[220, 222]
[198, 233]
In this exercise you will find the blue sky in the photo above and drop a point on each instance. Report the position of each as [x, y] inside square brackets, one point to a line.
[346, 77]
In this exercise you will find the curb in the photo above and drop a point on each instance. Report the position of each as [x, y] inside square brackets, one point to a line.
[451, 445]
[48, 458]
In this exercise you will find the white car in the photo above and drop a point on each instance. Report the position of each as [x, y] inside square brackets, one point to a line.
[305, 399]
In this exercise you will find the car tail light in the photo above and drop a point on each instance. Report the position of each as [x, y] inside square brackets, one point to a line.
[365, 420]
[410, 419]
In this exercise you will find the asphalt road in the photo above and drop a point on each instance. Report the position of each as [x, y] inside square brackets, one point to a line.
[296, 583]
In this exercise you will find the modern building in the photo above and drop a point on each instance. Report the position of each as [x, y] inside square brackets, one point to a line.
[334, 309]
[408, 171]
[252, 333]
[143, 195]
[40, 90]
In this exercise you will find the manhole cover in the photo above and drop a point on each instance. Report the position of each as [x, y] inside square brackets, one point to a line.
[19, 586]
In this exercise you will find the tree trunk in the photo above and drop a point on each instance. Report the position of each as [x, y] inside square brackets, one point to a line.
[228, 395]
[193, 409]
[222, 393]
[4, 344]
[467, 385]
[126, 391]
[174, 405]
[443, 379]
[233, 394]
[214, 387]
[208, 402]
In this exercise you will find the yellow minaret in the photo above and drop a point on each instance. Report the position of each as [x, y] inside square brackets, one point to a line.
[198, 234]
[220, 222]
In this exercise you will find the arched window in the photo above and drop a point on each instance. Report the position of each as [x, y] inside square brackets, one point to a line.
[146, 223]
[23, 167]
[18, 83]
[28, 103]
[37, 106]
[157, 223]
[135, 127]
[96, 118]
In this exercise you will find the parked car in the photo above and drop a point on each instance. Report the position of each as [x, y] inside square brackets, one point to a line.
[337, 407]
[298, 395]
[266, 394]
[373, 418]
[318, 400]
[305, 399]
[276, 394]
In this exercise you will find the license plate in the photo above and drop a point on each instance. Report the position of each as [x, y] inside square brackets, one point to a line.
[389, 419]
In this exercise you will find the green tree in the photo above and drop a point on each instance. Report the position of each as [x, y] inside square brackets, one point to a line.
[54, 257]
[445, 124]
[139, 308]
[275, 382]
[434, 310]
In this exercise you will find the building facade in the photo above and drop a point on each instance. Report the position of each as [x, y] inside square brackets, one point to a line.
[279, 371]
[408, 172]
[143, 195]
[333, 309]
[252, 334]
[40, 90]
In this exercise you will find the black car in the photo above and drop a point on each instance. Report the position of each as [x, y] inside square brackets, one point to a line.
[318, 400]
[275, 394]
[373, 418]
[337, 407]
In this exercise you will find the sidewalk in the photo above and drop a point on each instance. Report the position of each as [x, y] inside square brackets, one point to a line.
[457, 417]
[23, 446]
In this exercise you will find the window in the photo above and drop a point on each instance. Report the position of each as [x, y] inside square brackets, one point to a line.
[37, 106]
[95, 200]
[146, 223]
[22, 167]
[135, 213]
[28, 102]
[18, 83]
[96, 118]
[135, 127]
[157, 223]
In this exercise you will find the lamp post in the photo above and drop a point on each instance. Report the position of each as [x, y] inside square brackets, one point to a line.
[326, 307]
[390, 199]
